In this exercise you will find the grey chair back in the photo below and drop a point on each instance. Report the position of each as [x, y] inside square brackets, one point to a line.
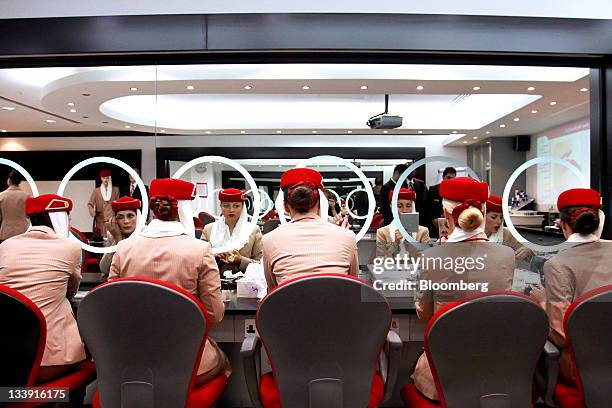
[206, 218]
[145, 338]
[323, 335]
[484, 352]
[270, 225]
[588, 325]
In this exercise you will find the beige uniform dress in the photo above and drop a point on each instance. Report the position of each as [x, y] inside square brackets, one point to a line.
[387, 247]
[103, 209]
[47, 269]
[13, 220]
[307, 246]
[568, 275]
[251, 251]
[186, 262]
[497, 271]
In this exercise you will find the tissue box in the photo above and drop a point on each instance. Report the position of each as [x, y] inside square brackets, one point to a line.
[246, 288]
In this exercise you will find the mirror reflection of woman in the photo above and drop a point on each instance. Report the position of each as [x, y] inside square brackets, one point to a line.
[496, 232]
[99, 204]
[126, 212]
[389, 240]
[235, 242]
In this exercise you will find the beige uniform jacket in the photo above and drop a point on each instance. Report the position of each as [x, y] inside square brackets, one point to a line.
[47, 269]
[186, 262]
[520, 251]
[387, 247]
[103, 209]
[496, 269]
[306, 246]
[251, 251]
[13, 220]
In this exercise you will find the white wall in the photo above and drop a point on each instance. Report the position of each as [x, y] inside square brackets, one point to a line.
[597, 9]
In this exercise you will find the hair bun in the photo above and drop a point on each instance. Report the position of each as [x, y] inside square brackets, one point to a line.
[470, 219]
[586, 222]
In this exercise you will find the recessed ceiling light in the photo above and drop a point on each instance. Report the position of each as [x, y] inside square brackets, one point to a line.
[454, 131]
[502, 126]
[363, 87]
[385, 131]
[247, 87]
[349, 131]
[127, 126]
[553, 103]
[163, 130]
[3, 130]
[70, 103]
[190, 87]
[584, 89]
[476, 88]
[133, 88]
[207, 132]
[305, 87]
[49, 120]
[73, 110]
[465, 142]
[474, 137]
[516, 119]
[488, 142]
[531, 88]
[314, 131]
[243, 132]
[419, 87]
[8, 108]
[420, 131]
[534, 111]
[488, 132]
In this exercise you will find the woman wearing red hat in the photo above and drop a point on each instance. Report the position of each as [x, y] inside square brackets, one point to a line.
[235, 242]
[495, 230]
[308, 244]
[45, 266]
[126, 212]
[389, 240]
[100, 203]
[579, 269]
[167, 250]
[491, 267]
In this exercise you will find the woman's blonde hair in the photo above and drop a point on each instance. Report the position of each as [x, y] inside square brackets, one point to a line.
[469, 219]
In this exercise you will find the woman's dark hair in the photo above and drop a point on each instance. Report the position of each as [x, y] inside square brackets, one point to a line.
[164, 210]
[301, 198]
[15, 177]
[584, 222]
[41, 219]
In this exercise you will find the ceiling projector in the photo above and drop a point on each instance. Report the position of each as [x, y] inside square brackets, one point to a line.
[384, 120]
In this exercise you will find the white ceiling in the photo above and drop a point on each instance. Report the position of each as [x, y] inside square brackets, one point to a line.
[433, 99]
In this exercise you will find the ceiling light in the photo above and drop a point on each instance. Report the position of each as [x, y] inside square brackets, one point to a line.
[243, 132]
[502, 126]
[86, 94]
[553, 103]
[278, 131]
[419, 88]
[454, 131]
[73, 110]
[349, 131]
[127, 126]
[363, 87]
[190, 87]
[474, 137]
[465, 142]
[314, 131]
[247, 87]
[476, 88]
[531, 88]
[104, 122]
[163, 130]
[419, 132]
[385, 131]
[488, 132]
[70, 103]
[3, 130]
[133, 88]
[534, 111]
[584, 89]
[49, 121]
[305, 87]
[8, 108]
[488, 142]
[516, 119]
[207, 132]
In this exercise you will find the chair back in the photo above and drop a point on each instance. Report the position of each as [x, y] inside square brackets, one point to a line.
[146, 338]
[483, 352]
[206, 218]
[270, 225]
[323, 335]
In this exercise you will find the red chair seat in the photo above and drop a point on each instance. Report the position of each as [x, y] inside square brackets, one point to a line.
[204, 396]
[270, 397]
[414, 399]
[567, 396]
